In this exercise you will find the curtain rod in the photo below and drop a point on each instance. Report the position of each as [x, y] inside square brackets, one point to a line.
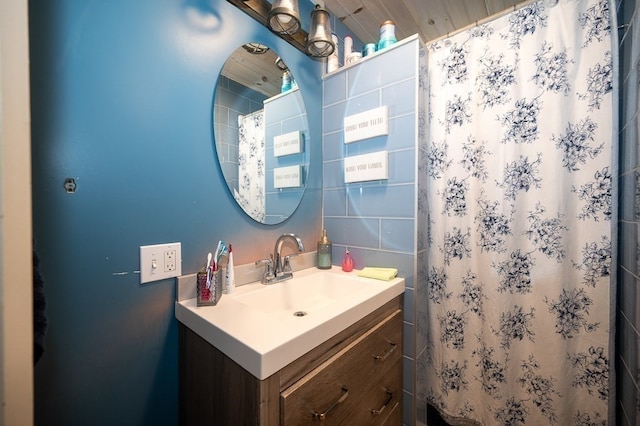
[483, 21]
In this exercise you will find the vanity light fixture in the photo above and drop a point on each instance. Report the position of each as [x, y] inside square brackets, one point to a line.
[280, 64]
[259, 10]
[284, 17]
[285, 14]
[255, 48]
[319, 41]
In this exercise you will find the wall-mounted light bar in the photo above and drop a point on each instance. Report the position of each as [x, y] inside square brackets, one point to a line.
[259, 10]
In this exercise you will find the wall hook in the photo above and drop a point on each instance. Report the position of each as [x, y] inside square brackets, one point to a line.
[70, 185]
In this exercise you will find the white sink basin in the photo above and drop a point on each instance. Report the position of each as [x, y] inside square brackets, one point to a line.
[265, 327]
[306, 292]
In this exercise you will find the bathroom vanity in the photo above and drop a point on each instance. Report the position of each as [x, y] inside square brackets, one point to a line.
[342, 367]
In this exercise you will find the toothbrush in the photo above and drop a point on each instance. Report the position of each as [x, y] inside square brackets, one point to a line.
[217, 257]
[223, 251]
[208, 267]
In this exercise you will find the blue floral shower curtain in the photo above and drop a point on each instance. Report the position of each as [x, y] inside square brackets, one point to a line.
[251, 192]
[519, 158]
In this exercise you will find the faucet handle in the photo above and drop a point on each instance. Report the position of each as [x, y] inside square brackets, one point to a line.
[268, 273]
[286, 267]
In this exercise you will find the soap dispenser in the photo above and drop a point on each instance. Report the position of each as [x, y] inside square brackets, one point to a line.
[347, 262]
[324, 252]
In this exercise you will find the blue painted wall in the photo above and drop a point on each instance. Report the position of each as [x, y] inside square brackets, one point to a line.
[122, 98]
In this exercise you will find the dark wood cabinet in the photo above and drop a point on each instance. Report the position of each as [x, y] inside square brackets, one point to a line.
[353, 378]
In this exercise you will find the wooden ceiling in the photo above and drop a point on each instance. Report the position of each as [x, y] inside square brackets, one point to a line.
[431, 19]
[257, 71]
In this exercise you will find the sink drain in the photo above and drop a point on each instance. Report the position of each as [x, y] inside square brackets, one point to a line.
[299, 314]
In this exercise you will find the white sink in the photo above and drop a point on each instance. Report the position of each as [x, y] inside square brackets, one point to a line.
[308, 292]
[265, 327]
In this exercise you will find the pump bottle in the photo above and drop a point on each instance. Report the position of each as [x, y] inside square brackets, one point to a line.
[324, 252]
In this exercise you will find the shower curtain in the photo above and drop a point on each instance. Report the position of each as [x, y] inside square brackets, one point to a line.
[251, 158]
[520, 160]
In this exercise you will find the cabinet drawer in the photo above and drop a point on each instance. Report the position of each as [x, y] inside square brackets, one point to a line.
[339, 387]
[380, 402]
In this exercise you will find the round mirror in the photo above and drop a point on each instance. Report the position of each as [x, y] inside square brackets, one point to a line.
[260, 131]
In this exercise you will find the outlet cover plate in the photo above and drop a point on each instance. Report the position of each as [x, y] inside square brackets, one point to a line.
[160, 261]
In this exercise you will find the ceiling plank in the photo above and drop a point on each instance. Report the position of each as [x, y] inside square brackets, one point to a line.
[431, 19]
[256, 71]
[497, 6]
[354, 16]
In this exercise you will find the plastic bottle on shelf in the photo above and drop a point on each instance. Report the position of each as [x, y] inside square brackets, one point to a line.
[387, 34]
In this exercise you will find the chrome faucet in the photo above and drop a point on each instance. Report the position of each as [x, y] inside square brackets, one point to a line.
[277, 267]
[283, 266]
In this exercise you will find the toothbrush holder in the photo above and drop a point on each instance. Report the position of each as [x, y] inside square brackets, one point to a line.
[209, 287]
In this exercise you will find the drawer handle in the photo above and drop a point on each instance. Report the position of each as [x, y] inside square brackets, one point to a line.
[381, 409]
[322, 416]
[388, 352]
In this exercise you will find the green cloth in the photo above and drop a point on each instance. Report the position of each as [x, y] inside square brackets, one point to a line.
[385, 274]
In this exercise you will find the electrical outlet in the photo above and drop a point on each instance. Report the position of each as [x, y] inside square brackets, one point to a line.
[169, 260]
[160, 261]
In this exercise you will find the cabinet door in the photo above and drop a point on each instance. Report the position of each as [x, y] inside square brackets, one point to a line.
[381, 402]
[344, 385]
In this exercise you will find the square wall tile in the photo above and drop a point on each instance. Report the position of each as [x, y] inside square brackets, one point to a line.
[375, 72]
[381, 200]
[627, 200]
[408, 340]
[402, 132]
[634, 343]
[333, 117]
[632, 243]
[407, 409]
[628, 397]
[397, 235]
[621, 416]
[636, 305]
[408, 304]
[402, 166]
[398, 97]
[284, 107]
[282, 203]
[333, 147]
[334, 89]
[366, 146]
[629, 340]
[334, 202]
[296, 123]
[220, 114]
[351, 231]
[361, 103]
[628, 245]
[332, 174]
[628, 294]
[629, 143]
[636, 194]
[408, 371]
